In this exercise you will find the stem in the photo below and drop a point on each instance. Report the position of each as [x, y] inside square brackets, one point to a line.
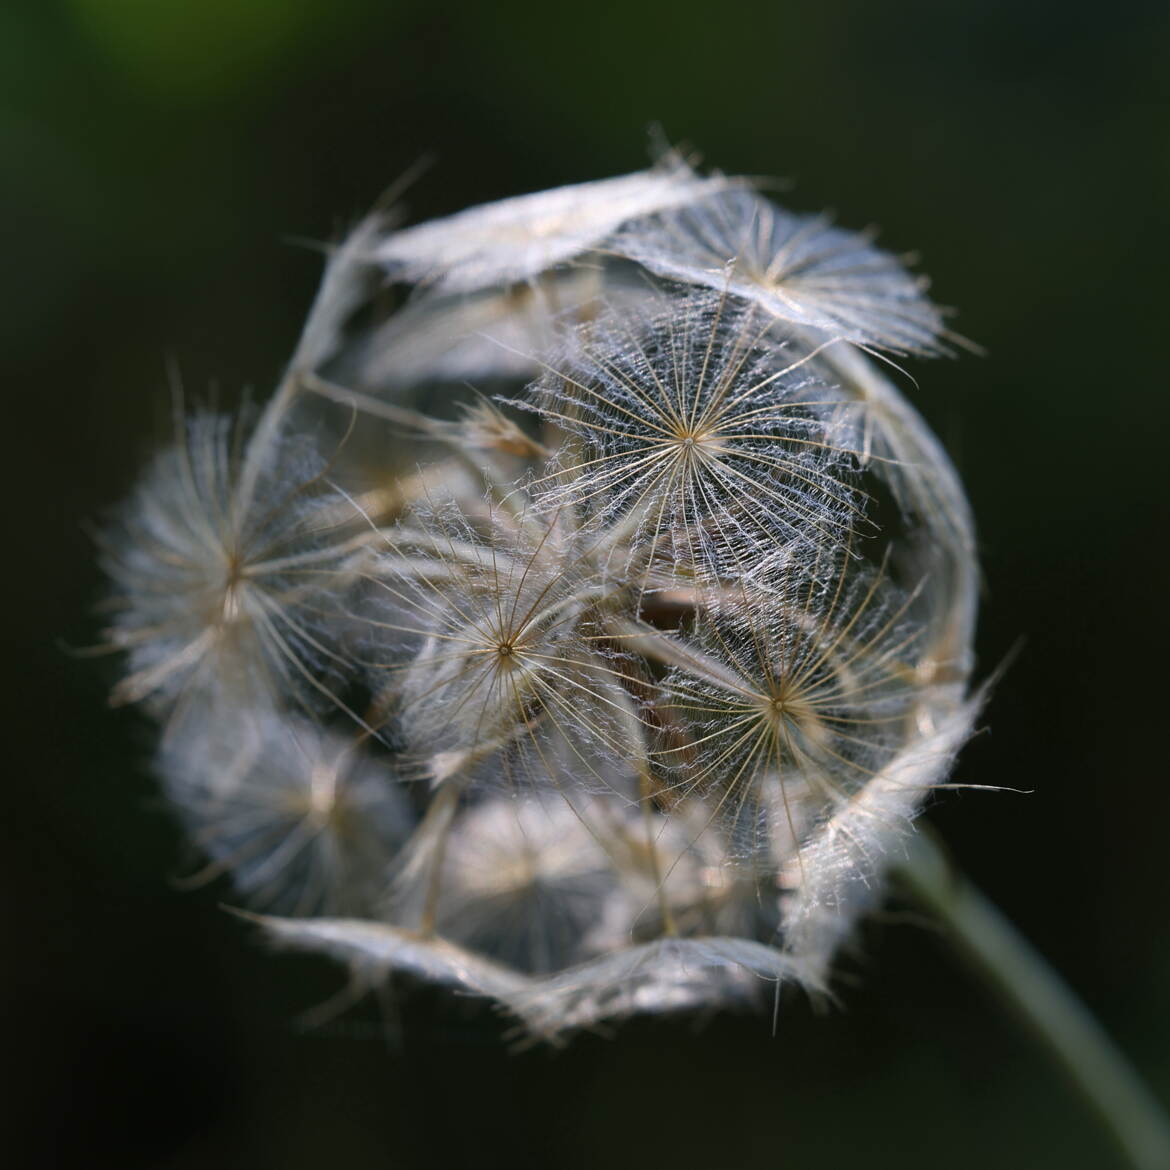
[1056, 1017]
[399, 416]
[451, 435]
[267, 429]
[443, 807]
[644, 791]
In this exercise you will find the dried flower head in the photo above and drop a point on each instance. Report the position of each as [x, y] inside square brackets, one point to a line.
[611, 693]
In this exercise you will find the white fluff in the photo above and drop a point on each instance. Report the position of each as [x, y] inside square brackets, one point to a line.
[798, 267]
[516, 239]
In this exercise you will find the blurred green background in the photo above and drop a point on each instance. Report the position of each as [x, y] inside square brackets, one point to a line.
[160, 158]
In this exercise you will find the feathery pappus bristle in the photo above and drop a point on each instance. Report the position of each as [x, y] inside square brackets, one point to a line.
[224, 570]
[515, 239]
[700, 429]
[799, 268]
[305, 821]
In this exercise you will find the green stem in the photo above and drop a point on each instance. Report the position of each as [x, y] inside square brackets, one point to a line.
[1041, 998]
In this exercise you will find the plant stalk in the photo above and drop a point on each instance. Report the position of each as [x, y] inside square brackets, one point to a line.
[1106, 1080]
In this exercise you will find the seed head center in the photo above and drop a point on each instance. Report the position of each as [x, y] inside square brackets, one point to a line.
[691, 442]
[785, 707]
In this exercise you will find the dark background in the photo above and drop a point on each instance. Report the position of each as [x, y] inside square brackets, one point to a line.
[157, 157]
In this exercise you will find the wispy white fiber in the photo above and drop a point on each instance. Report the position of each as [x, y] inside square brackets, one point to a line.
[373, 950]
[219, 593]
[701, 429]
[800, 268]
[303, 820]
[844, 861]
[525, 882]
[489, 334]
[667, 975]
[516, 239]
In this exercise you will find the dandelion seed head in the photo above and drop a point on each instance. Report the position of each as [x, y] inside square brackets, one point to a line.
[607, 684]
